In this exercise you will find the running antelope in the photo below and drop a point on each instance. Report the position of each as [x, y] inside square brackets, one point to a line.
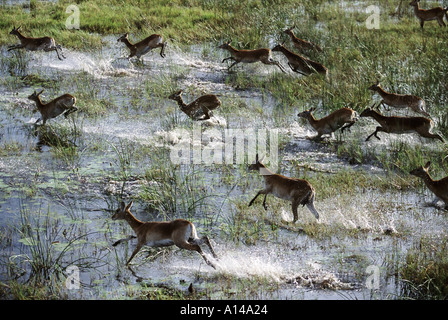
[301, 44]
[430, 14]
[64, 104]
[438, 187]
[179, 232]
[300, 64]
[297, 191]
[140, 48]
[32, 44]
[206, 103]
[400, 125]
[342, 119]
[415, 103]
[249, 56]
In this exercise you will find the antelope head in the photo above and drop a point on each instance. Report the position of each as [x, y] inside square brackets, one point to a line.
[123, 211]
[225, 45]
[35, 95]
[376, 86]
[278, 47]
[123, 38]
[414, 3]
[307, 113]
[289, 31]
[367, 112]
[15, 31]
[257, 165]
[421, 171]
[176, 95]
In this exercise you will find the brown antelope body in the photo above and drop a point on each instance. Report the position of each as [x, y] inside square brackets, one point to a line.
[64, 104]
[298, 191]
[300, 64]
[301, 44]
[140, 48]
[429, 14]
[415, 103]
[32, 44]
[179, 232]
[263, 55]
[438, 187]
[206, 103]
[400, 125]
[342, 119]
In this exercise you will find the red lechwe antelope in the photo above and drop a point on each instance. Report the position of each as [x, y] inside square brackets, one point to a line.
[140, 48]
[430, 14]
[342, 119]
[300, 64]
[263, 55]
[63, 104]
[298, 191]
[400, 125]
[179, 232]
[301, 44]
[438, 187]
[32, 44]
[206, 102]
[415, 103]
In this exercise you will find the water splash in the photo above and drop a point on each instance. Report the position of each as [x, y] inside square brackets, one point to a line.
[100, 65]
[252, 263]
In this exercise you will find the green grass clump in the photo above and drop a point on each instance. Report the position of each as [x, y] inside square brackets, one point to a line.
[178, 20]
[425, 271]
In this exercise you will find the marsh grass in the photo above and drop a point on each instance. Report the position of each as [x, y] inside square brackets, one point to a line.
[425, 272]
[37, 269]
[177, 189]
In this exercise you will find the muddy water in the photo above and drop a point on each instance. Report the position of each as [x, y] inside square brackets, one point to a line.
[70, 199]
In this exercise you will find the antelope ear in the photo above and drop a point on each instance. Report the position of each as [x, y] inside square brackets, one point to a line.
[122, 205]
[129, 206]
[256, 158]
[427, 165]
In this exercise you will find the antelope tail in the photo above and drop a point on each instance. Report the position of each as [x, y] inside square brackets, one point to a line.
[193, 234]
[309, 202]
[310, 206]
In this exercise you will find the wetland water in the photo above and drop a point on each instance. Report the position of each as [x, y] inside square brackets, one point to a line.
[60, 184]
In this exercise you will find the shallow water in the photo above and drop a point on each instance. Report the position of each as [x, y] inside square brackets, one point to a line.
[71, 198]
